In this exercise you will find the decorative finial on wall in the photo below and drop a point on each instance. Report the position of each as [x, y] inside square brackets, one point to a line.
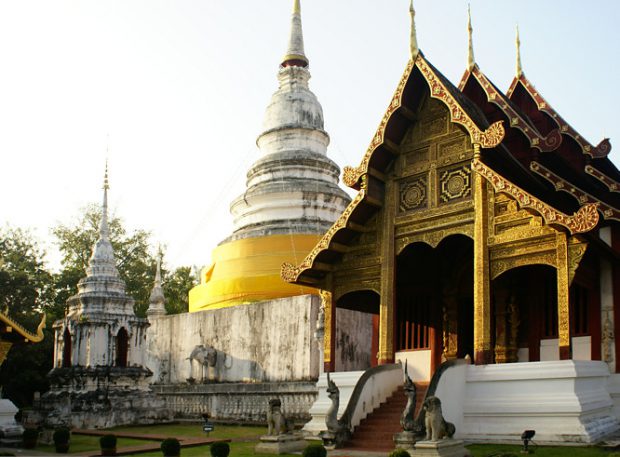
[518, 44]
[470, 55]
[415, 50]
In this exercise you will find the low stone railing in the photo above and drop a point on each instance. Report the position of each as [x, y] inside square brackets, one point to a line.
[238, 402]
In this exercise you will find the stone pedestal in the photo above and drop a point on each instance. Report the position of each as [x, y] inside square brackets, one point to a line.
[443, 448]
[280, 444]
[405, 440]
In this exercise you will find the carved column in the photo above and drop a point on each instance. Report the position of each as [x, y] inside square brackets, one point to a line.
[329, 329]
[482, 297]
[563, 296]
[388, 262]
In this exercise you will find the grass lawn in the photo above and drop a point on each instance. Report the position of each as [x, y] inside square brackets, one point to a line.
[489, 450]
[195, 430]
[246, 437]
[81, 443]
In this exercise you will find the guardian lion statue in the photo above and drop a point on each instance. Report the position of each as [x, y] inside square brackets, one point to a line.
[276, 422]
[436, 426]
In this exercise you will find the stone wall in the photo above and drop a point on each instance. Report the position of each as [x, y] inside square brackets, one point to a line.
[238, 402]
[268, 341]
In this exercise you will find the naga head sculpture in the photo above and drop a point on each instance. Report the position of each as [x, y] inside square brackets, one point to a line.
[408, 383]
[332, 388]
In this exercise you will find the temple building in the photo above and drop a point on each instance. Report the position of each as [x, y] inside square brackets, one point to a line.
[484, 227]
[292, 195]
[99, 378]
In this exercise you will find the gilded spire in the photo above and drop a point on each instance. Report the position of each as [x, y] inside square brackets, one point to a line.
[470, 55]
[518, 44]
[295, 55]
[415, 50]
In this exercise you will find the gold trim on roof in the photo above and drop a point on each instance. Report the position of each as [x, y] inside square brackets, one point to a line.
[581, 196]
[610, 183]
[544, 144]
[34, 338]
[596, 152]
[584, 220]
[290, 272]
[488, 138]
[519, 71]
[351, 175]
[471, 61]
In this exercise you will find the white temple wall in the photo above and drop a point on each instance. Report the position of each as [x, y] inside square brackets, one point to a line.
[565, 401]
[260, 342]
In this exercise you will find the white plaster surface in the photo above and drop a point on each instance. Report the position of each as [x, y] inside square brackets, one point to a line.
[375, 391]
[265, 341]
[564, 401]
[549, 350]
[418, 364]
[582, 347]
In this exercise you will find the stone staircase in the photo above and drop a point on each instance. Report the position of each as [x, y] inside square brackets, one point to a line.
[376, 432]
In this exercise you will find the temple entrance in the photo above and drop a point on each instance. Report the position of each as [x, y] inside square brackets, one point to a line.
[434, 304]
[66, 349]
[122, 347]
[525, 318]
[357, 330]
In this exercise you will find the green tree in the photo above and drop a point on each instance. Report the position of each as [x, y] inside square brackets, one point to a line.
[134, 260]
[133, 257]
[26, 291]
[176, 285]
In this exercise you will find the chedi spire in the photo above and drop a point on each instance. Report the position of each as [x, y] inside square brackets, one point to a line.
[157, 300]
[295, 55]
[102, 257]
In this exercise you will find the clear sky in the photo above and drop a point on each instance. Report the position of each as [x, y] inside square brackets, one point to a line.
[175, 92]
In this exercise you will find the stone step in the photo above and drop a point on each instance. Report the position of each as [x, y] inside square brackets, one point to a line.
[376, 431]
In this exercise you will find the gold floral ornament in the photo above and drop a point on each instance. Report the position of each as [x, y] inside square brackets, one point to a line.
[584, 220]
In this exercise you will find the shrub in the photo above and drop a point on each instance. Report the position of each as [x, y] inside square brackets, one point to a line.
[399, 453]
[314, 450]
[220, 449]
[29, 438]
[171, 447]
[107, 441]
[61, 435]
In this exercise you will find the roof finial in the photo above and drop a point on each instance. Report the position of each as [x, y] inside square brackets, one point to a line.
[295, 56]
[415, 50]
[470, 55]
[518, 43]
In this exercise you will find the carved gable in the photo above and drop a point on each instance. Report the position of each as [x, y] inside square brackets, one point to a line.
[434, 165]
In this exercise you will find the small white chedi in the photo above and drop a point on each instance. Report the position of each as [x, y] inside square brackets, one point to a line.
[99, 377]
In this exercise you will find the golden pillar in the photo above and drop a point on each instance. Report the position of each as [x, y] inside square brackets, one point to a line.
[482, 296]
[387, 306]
[329, 329]
[563, 296]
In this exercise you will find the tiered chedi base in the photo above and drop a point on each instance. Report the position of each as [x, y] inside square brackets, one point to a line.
[101, 397]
